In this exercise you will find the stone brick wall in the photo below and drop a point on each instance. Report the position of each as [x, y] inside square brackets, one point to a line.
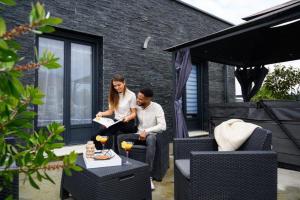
[124, 26]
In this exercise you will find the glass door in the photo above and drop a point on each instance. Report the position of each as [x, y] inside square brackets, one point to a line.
[70, 90]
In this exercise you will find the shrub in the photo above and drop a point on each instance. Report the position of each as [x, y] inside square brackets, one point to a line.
[282, 83]
[34, 149]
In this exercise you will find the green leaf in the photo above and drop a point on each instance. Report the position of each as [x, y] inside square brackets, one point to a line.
[77, 168]
[13, 44]
[3, 44]
[33, 141]
[52, 21]
[37, 101]
[32, 182]
[7, 84]
[33, 14]
[7, 55]
[8, 2]
[9, 197]
[67, 171]
[27, 157]
[2, 26]
[40, 10]
[39, 176]
[52, 65]
[14, 150]
[37, 32]
[46, 29]
[36, 54]
[56, 145]
[59, 138]
[27, 114]
[60, 129]
[48, 177]
[72, 157]
[10, 161]
[39, 159]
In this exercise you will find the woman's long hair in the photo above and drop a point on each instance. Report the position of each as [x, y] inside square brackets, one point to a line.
[113, 98]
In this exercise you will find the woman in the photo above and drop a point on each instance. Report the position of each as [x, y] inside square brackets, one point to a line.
[122, 103]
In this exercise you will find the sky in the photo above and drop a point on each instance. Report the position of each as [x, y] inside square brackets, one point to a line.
[234, 10]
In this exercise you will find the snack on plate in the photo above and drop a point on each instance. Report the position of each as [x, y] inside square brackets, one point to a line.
[102, 157]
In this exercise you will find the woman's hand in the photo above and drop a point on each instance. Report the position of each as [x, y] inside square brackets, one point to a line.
[131, 116]
[126, 119]
[99, 114]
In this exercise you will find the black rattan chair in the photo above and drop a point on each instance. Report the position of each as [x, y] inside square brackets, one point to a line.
[202, 172]
[161, 160]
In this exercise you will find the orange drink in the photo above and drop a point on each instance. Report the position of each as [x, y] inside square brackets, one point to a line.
[102, 139]
[127, 147]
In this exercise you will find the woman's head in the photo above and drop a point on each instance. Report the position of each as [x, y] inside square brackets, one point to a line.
[117, 85]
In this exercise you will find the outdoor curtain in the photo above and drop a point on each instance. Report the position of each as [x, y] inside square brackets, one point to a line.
[183, 66]
[250, 79]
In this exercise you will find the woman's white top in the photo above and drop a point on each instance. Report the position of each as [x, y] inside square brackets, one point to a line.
[126, 102]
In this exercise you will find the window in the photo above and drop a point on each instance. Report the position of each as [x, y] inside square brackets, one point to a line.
[81, 84]
[71, 92]
[51, 82]
[192, 100]
[192, 93]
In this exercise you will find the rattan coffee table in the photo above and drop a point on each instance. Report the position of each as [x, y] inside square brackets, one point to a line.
[109, 183]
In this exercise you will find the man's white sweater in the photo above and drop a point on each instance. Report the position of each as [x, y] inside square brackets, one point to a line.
[151, 119]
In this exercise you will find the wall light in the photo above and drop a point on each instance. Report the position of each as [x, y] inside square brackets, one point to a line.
[146, 42]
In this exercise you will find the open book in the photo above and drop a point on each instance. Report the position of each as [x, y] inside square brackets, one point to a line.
[107, 122]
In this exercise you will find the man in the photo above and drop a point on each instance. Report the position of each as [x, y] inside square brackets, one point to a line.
[151, 121]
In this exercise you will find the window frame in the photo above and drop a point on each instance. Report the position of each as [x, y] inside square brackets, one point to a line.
[96, 42]
[199, 117]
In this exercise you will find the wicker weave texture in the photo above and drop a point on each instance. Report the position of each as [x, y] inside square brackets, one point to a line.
[110, 183]
[247, 174]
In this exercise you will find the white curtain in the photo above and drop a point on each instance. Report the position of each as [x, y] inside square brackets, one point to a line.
[81, 84]
[51, 83]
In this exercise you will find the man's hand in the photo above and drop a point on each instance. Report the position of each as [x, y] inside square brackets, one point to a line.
[143, 136]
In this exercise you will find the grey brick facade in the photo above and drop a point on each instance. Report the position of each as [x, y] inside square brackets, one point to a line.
[124, 26]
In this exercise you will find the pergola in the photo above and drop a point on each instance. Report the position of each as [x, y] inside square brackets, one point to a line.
[270, 36]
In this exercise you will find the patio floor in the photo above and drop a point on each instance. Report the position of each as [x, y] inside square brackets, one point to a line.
[288, 186]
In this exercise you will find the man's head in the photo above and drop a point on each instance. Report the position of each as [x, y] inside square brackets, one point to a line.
[144, 97]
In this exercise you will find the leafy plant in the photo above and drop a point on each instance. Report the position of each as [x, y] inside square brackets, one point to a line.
[33, 150]
[262, 94]
[282, 83]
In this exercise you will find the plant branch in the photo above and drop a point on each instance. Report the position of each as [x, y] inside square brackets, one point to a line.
[19, 30]
[29, 66]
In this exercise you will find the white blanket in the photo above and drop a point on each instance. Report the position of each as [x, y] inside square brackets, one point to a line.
[231, 134]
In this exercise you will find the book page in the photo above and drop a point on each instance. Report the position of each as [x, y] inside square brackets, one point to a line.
[107, 122]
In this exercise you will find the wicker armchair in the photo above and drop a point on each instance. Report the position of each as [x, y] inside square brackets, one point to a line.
[202, 172]
[161, 160]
